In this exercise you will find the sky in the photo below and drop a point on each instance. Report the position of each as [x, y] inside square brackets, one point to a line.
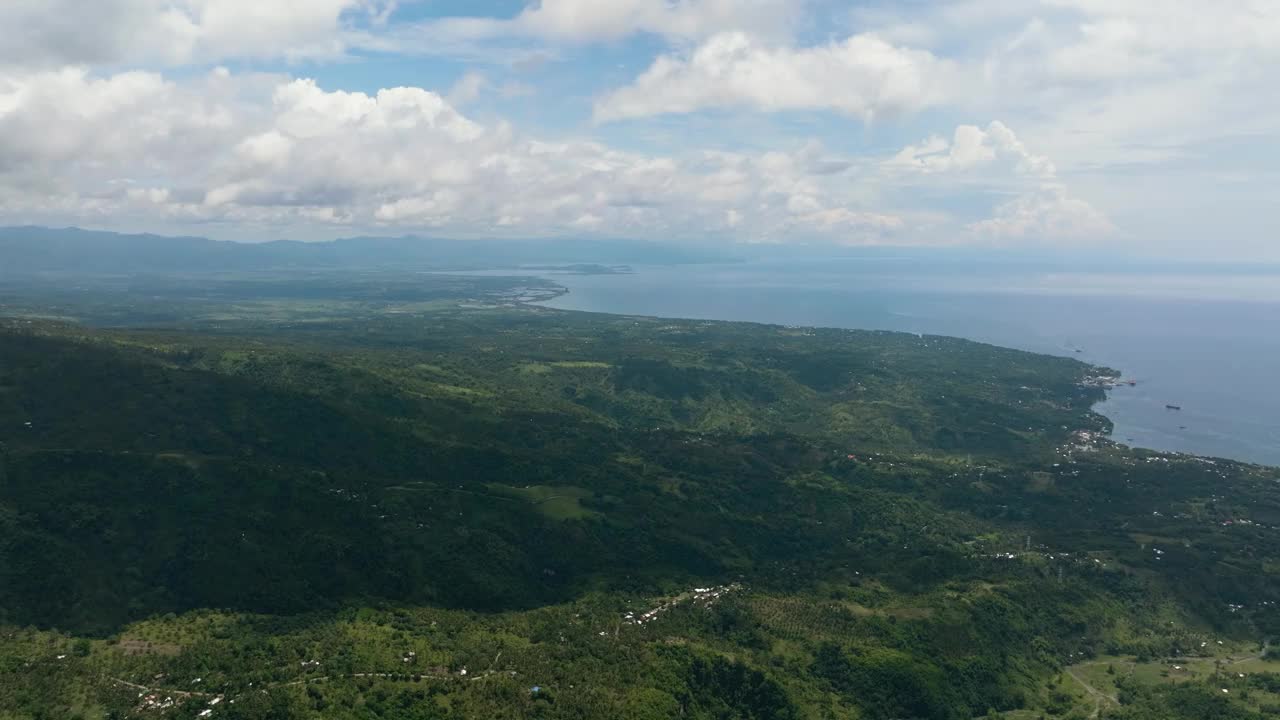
[1147, 127]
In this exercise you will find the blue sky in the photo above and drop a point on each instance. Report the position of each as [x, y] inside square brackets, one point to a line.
[1109, 126]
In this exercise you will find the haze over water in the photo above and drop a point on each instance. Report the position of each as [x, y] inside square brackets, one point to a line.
[1206, 341]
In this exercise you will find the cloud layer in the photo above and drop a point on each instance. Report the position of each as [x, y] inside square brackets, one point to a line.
[986, 121]
[271, 151]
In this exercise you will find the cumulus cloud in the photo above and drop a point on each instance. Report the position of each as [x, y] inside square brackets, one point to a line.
[267, 151]
[1043, 208]
[1106, 82]
[971, 148]
[1047, 214]
[71, 121]
[96, 121]
[863, 76]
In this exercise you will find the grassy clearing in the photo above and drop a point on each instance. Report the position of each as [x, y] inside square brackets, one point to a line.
[901, 613]
[546, 368]
[1227, 671]
[553, 501]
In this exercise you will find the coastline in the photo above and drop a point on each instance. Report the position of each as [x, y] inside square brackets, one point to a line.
[1224, 416]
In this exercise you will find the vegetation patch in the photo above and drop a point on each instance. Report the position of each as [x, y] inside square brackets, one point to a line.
[378, 491]
[556, 502]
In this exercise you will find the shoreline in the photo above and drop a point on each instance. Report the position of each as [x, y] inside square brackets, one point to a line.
[1126, 428]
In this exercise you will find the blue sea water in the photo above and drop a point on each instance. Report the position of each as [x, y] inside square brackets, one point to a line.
[1207, 340]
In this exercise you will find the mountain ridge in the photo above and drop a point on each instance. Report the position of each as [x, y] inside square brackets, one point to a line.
[33, 248]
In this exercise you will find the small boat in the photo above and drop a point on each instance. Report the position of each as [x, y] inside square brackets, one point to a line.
[1173, 407]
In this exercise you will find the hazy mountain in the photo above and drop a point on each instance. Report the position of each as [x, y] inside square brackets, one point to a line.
[40, 249]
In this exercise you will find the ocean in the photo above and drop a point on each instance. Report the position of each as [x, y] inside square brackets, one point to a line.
[1205, 340]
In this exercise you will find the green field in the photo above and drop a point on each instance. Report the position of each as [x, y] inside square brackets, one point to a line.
[556, 503]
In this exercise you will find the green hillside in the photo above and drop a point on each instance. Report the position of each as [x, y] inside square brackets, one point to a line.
[267, 496]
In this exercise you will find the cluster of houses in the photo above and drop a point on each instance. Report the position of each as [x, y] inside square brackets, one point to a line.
[153, 701]
[1106, 382]
[1087, 440]
[698, 596]
[159, 700]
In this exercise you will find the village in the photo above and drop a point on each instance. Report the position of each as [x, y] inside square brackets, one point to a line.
[698, 597]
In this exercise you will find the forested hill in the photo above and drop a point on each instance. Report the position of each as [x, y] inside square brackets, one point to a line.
[424, 498]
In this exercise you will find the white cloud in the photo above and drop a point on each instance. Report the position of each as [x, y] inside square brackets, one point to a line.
[971, 148]
[1176, 26]
[54, 33]
[1043, 209]
[76, 122]
[306, 111]
[1046, 215]
[863, 76]
[1103, 82]
[592, 21]
[585, 20]
[1145, 107]
[268, 152]
[431, 208]
[1074, 53]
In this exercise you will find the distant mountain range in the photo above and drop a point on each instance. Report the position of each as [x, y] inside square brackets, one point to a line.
[41, 249]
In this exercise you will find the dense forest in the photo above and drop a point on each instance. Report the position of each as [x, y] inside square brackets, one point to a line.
[324, 495]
